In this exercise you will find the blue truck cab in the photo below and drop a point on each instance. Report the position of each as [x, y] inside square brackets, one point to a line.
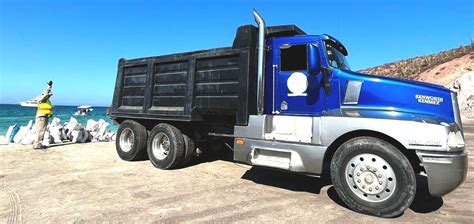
[289, 101]
[377, 130]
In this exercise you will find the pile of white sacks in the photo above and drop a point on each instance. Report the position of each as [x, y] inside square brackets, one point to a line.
[464, 87]
[56, 132]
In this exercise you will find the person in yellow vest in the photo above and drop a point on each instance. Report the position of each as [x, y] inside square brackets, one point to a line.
[45, 110]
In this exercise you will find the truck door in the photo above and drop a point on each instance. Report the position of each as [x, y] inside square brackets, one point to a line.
[297, 91]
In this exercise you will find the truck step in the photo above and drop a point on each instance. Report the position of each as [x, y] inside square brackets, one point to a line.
[271, 158]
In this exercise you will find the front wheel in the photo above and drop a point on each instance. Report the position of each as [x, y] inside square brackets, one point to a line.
[373, 177]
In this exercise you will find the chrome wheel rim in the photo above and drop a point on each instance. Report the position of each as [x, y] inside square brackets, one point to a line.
[370, 177]
[126, 140]
[160, 146]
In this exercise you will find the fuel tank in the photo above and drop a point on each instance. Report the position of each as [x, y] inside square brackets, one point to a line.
[383, 96]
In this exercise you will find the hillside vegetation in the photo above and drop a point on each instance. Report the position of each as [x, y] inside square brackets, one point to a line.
[411, 68]
[453, 69]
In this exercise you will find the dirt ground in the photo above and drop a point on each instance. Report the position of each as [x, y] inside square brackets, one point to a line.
[89, 183]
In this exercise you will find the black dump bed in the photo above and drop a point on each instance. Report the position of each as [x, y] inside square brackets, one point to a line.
[215, 84]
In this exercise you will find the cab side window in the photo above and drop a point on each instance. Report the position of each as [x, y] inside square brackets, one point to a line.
[293, 58]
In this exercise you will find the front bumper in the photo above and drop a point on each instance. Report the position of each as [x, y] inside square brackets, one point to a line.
[445, 171]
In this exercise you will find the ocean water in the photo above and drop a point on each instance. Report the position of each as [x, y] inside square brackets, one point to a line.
[11, 114]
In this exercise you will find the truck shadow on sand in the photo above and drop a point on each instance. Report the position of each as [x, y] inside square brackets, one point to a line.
[423, 202]
[286, 180]
[271, 177]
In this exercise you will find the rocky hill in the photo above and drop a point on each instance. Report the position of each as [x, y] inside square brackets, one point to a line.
[453, 69]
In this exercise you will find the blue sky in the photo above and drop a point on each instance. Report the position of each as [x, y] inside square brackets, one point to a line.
[77, 43]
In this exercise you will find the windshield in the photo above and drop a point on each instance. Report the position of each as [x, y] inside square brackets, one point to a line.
[335, 58]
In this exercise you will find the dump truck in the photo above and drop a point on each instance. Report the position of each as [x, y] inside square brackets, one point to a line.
[287, 100]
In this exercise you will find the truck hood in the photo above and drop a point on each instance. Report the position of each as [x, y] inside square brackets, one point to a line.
[398, 97]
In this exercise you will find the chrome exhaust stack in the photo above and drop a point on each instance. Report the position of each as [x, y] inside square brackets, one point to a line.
[261, 60]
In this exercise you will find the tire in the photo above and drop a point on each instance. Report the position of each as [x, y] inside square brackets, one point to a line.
[131, 141]
[385, 186]
[165, 146]
[189, 150]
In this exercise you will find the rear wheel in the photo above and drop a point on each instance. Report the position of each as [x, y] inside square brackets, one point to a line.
[373, 177]
[189, 150]
[131, 141]
[165, 146]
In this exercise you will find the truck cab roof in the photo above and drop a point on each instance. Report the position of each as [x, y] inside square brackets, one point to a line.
[247, 36]
[284, 31]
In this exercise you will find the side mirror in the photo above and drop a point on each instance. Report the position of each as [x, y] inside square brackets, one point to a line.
[314, 61]
[327, 84]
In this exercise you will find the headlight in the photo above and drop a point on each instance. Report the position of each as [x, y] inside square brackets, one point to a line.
[455, 141]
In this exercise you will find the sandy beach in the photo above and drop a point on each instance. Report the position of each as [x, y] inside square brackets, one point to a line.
[89, 183]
